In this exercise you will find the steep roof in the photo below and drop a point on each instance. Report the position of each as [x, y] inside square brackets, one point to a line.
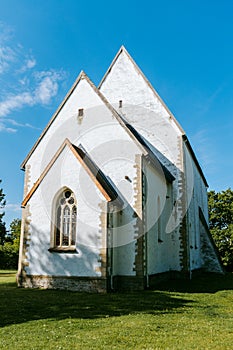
[95, 173]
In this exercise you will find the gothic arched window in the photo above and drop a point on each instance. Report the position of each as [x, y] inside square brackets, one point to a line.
[65, 220]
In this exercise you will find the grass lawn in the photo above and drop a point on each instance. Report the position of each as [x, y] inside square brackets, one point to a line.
[177, 315]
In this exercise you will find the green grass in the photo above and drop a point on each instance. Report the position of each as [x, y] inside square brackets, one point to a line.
[178, 315]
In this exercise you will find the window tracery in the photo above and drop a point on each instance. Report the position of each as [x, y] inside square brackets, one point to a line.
[65, 220]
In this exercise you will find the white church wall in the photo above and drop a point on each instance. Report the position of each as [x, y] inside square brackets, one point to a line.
[124, 243]
[162, 247]
[90, 239]
[196, 197]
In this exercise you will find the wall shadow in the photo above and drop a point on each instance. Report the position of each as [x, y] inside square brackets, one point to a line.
[203, 282]
[19, 305]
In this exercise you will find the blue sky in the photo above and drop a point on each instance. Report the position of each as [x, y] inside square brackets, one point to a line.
[185, 48]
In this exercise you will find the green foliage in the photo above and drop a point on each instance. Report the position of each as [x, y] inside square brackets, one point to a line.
[2, 200]
[186, 315]
[9, 254]
[9, 243]
[9, 251]
[221, 224]
[15, 229]
[2, 224]
[2, 232]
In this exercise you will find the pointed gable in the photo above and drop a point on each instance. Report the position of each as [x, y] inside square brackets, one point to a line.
[124, 81]
[96, 175]
[142, 107]
[129, 91]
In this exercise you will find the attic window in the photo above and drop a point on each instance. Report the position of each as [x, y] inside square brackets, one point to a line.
[120, 103]
[80, 112]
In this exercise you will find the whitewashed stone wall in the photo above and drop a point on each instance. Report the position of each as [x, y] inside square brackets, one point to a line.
[89, 240]
[161, 255]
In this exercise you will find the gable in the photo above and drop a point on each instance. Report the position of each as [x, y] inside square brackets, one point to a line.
[145, 110]
[125, 81]
[142, 107]
[96, 175]
[100, 122]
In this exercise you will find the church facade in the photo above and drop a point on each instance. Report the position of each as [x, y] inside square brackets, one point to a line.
[114, 197]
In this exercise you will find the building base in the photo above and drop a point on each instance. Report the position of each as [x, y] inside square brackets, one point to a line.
[78, 284]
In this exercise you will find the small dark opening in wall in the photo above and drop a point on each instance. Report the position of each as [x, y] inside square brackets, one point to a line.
[127, 178]
[120, 103]
[80, 112]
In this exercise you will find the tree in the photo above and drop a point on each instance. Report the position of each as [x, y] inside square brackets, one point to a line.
[9, 252]
[9, 243]
[2, 224]
[15, 230]
[221, 224]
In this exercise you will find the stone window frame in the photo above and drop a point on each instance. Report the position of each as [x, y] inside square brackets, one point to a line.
[64, 222]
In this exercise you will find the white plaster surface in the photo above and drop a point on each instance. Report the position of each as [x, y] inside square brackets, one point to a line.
[89, 240]
[161, 256]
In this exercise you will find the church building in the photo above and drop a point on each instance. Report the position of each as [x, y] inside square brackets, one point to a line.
[114, 196]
